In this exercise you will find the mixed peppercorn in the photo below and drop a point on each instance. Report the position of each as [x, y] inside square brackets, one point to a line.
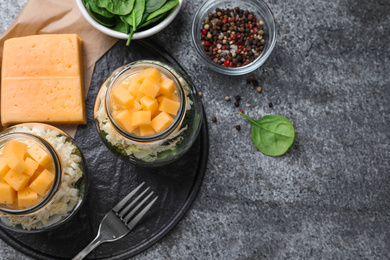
[232, 37]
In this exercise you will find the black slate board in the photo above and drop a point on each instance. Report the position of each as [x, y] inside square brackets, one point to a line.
[111, 179]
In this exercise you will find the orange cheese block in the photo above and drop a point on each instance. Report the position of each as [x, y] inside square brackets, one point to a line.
[169, 106]
[146, 130]
[122, 97]
[15, 163]
[150, 104]
[7, 193]
[27, 198]
[31, 166]
[141, 118]
[150, 87]
[42, 80]
[42, 183]
[167, 87]
[16, 180]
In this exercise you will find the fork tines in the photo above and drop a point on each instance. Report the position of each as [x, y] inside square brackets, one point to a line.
[126, 212]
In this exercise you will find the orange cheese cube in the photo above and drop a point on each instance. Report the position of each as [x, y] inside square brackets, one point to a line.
[169, 106]
[31, 167]
[7, 194]
[15, 163]
[150, 104]
[137, 79]
[125, 83]
[42, 183]
[123, 119]
[40, 155]
[141, 118]
[15, 147]
[35, 175]
[135, 107]
[27, 198]
[122, 97]
[3, 168]
[146, 130]
[150, 87]
[140, 95]
[152, 73]
[42, 80]
[167, 87]
[137, 131]
[16, 179]
[161, 122]
[134, 89]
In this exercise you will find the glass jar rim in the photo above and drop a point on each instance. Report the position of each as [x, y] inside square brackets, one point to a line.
[115, 79]
[57, 176]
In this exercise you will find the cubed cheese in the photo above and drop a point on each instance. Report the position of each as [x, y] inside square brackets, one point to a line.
[40, 155]
[150, 87]
[3, 168]
[17, 180]
[31, 167]
[150, 104]
[7, 194]
[134, 89]
[27, 198]
[141, 118]
[42, 183]
[161, 122]
[152, 73]
[15, 147]
[167, 87]
[146, 130]
[169, 106]
[122, 97]
[42, 80]
[135, 107]
[123, 119]
[15, 163]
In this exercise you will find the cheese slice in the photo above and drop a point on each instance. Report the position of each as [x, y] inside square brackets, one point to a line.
[42, 80]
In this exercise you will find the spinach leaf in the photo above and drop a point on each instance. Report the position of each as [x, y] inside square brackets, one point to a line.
[131, 32]
[272, 134]
[153, 5]
[119, 7]
[99, 10]
[152, 21]
[121, 25]
[165, 8]
[135, 17]
[109, 22]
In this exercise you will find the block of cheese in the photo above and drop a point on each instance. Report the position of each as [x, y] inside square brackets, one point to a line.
[40, 155]
[3, 168]
[15, 147]
[16, 180]
[42, 80]
[27, 198]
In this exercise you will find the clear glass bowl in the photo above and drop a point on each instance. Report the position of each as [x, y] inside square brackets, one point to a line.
[262, 12]
[70, 184]
[161, 148]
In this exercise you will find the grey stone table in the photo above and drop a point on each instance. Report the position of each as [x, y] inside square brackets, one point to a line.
[328, 197]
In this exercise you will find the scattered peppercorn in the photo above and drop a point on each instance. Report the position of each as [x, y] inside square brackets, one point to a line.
[270, 104]
[258, 89]
[214, 119]
[200, 94]
[238, 98]
[250, 80]
[238, 127]
[236, 103]
[227, 98]
[232, 37]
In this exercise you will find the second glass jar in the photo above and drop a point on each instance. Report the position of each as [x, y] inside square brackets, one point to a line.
[161, 148]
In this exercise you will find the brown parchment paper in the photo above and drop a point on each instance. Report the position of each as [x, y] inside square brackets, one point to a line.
[60, 16]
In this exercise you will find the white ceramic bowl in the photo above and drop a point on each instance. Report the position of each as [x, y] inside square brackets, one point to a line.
[137, 35]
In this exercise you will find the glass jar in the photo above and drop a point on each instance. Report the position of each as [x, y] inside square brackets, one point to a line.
[69, 187]
[161, 148]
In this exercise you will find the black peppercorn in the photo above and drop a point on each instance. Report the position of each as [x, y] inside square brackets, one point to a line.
[214, 119]
[238, 127]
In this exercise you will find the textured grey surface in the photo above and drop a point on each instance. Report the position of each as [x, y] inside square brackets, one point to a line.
[328, 197]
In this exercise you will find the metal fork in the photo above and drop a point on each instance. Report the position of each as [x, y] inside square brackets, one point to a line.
[116, 224]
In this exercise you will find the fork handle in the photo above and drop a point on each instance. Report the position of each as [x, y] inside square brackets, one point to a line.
[83, 253]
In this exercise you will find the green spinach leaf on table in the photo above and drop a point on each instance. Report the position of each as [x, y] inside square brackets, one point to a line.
[165, 8]
[272, 134]
[153, 5]
[119, 7]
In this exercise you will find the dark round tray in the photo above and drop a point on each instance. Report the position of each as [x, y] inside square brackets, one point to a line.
[111, 179]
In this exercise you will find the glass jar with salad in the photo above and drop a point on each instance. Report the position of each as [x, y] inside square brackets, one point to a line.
[148, 113]
[43, 178]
